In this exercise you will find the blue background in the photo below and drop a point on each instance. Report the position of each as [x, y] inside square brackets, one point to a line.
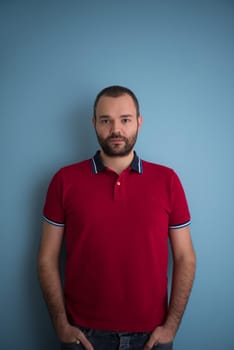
[178, 57]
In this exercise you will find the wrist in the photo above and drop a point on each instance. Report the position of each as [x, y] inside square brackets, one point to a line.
[61, 323]
[170, 328]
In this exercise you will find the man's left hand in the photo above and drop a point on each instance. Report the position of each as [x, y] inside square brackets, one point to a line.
[161, 335]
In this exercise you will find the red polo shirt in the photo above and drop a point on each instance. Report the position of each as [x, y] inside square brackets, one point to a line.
[116, 234]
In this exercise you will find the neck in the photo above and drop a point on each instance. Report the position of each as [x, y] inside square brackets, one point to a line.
[117, 164]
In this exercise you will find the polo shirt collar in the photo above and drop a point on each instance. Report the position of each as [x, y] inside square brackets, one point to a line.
[98, 166]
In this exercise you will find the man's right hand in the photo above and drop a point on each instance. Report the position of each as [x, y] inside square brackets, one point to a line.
[70, 334]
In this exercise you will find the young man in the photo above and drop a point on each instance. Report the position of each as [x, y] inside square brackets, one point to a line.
[116, 213]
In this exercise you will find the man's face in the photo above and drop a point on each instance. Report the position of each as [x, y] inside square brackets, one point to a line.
[117, 124]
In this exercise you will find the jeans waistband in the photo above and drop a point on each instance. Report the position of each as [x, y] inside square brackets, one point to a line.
[91, 331]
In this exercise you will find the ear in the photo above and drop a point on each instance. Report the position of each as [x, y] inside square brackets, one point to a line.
[94, 120]
[139, 119]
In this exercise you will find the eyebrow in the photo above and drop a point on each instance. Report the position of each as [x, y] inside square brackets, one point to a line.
[127, 116]
[104, 116]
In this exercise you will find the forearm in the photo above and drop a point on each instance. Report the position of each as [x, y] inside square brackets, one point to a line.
[51, 285]
[184, 262]
[182, 281]
[53, 293]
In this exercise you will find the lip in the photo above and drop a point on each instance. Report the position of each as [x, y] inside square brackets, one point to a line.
[116, 140]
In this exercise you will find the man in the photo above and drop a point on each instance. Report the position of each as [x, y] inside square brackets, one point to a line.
[116, 213]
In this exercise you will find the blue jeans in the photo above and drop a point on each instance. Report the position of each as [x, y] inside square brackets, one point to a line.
[107, 340]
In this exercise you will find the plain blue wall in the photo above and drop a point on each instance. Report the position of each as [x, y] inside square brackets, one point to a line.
[178, 57]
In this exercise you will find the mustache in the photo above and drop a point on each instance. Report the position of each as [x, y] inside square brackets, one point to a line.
[117, 136]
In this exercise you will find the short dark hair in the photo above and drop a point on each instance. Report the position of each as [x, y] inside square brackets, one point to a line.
[116, 91]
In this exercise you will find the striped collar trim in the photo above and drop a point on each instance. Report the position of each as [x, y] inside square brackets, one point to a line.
[98, 166]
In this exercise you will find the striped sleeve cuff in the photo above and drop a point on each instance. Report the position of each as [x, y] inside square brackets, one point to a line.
[53, 222]
[180, 225]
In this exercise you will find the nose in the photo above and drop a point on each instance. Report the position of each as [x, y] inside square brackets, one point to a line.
[115, 127]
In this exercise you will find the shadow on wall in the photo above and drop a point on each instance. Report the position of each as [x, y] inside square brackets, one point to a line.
[79, 134]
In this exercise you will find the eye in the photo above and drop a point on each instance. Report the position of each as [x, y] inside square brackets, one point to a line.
[104, 121]
[126, 120]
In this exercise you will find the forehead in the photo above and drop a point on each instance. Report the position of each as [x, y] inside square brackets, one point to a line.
[123, 104]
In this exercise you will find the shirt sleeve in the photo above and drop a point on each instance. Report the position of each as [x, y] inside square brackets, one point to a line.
[53, 211]
[179, 215]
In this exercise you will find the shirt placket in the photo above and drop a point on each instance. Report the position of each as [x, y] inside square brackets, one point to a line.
[119, 186]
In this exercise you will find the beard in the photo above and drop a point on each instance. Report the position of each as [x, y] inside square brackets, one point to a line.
[112, 149]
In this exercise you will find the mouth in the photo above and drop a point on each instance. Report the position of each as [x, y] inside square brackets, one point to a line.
[116, 140]
[117, 137]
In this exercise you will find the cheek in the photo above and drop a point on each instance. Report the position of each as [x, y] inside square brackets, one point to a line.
[102, 132]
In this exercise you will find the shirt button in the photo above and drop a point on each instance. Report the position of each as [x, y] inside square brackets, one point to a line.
[118, 183]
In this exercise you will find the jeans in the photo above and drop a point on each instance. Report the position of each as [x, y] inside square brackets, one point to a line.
[107, 340]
